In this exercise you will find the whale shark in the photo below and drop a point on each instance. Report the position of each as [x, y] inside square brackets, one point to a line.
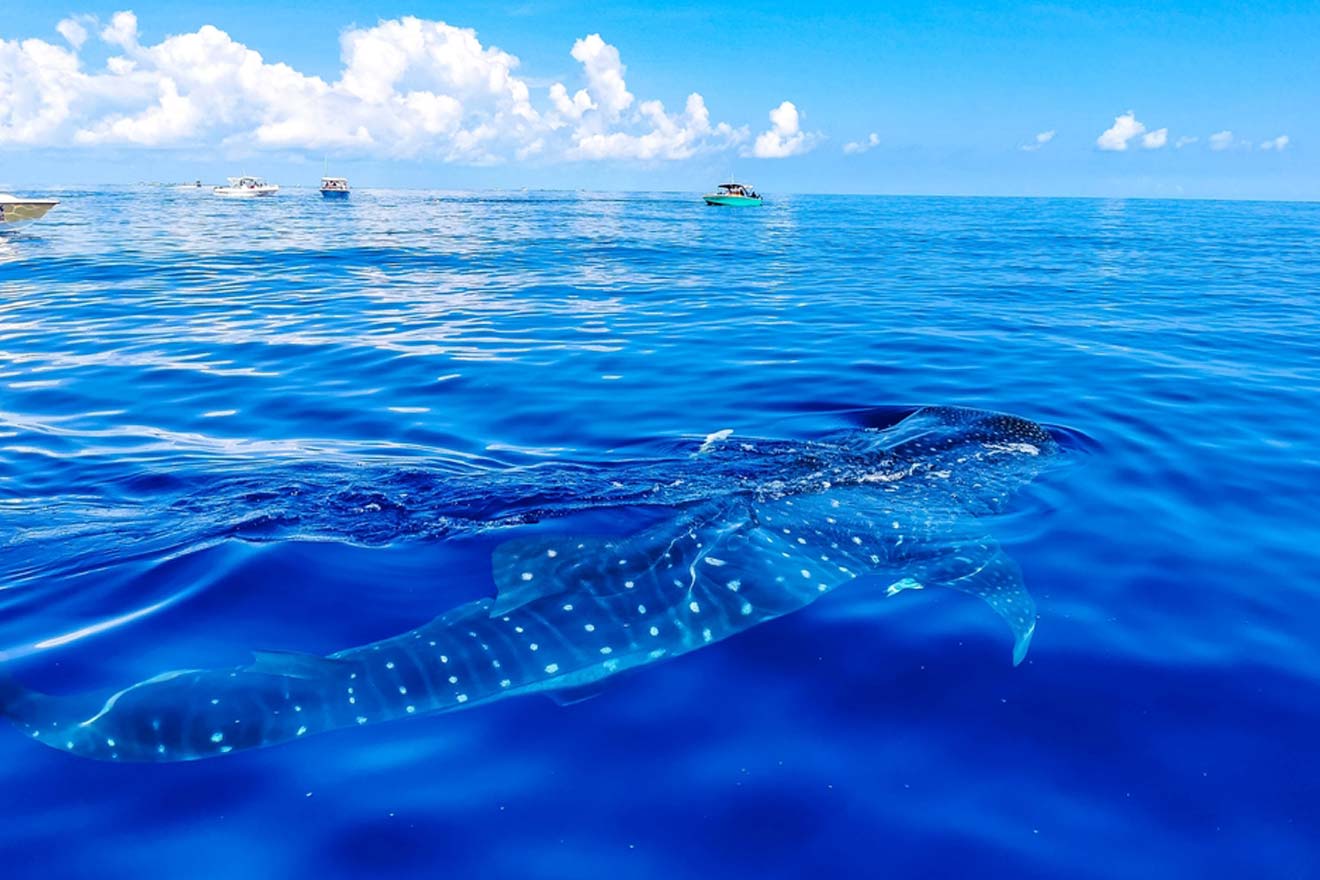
[900, 507]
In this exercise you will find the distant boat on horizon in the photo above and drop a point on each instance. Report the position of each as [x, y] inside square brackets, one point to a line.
[334, 187]
[246, 187]
[16, 212]
[730, 195]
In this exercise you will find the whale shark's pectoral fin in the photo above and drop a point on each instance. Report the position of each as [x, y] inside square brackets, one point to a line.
[989, 575]
[527, 569]
[292, 664]
[570, 695]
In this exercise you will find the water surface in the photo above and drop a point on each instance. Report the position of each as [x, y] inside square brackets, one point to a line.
[294, 424]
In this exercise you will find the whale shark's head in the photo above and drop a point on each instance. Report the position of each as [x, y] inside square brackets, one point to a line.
[976, 454]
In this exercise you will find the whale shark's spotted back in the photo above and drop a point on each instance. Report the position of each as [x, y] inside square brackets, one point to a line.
[898, 506]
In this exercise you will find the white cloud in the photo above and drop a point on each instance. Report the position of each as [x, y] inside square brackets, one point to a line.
[574, 107]
[604, 71]
[1184, 141]
[407, 87]
[1156, 139]
[1124, 129]
[785, 137]
[602, 128]
[71, 29]
[122, 30]
[853, 148]
[1039, 141]
[1221, 140]
[1279, 143]
[678, 136]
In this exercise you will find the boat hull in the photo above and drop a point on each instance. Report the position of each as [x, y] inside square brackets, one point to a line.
[21, 212]
[334, 193]
[731, 201]
[234, 192]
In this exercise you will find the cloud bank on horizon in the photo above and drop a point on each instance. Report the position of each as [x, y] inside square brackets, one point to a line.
[1127, 128]
[408, 88]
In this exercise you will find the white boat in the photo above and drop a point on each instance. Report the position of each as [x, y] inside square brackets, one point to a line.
[246, 187]
[334, 187]
[15, 212]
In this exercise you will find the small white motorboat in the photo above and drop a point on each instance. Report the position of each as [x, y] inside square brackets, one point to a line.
[16, 212]
[246, 187]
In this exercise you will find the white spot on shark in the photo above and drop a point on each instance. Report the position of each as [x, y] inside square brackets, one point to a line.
[552, 668]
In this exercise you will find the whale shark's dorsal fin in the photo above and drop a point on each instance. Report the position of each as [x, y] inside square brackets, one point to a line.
[293, 664]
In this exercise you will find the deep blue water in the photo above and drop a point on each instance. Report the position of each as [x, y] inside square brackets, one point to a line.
[289, 424]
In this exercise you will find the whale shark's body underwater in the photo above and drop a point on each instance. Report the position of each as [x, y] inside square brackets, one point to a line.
[899, 506]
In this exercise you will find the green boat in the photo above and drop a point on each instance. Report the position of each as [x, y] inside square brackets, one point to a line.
[733, 195]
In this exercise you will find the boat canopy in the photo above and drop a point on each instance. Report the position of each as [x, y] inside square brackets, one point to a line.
[246, 181]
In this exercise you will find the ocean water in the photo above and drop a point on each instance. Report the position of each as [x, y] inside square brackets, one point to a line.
[290, 424]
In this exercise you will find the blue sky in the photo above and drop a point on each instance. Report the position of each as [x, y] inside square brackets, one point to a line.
[951, 92]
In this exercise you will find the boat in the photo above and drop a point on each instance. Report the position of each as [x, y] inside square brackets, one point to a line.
[16, 212]
[733, 195]
[334, 187]
[246, 187]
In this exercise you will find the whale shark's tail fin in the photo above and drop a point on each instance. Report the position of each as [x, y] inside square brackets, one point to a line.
[11, 692]
[25, 707]
[17, 703]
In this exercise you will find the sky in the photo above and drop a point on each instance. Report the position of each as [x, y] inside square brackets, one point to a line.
[1179, 99]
